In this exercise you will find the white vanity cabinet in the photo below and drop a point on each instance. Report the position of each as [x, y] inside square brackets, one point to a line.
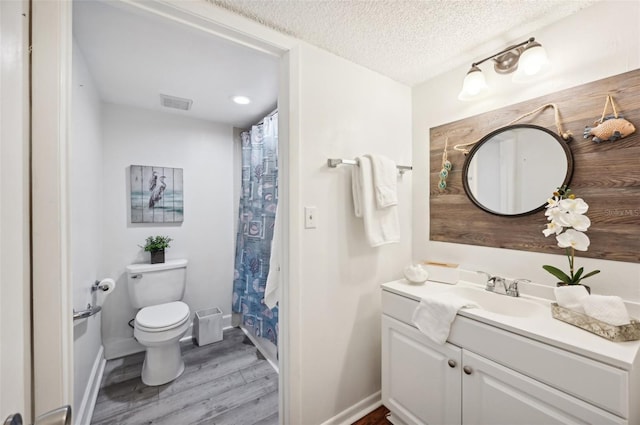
[495, 395]
[490, 376]
[420, 380]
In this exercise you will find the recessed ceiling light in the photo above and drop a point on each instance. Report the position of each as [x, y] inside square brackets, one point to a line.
[241, 100]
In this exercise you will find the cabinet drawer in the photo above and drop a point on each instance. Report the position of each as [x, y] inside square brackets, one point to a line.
[599, 384]
[398, 307]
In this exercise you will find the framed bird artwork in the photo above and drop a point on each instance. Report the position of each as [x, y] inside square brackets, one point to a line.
[156, 194]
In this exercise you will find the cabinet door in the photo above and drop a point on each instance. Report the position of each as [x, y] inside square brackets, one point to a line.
[419, 385]
[496, 395]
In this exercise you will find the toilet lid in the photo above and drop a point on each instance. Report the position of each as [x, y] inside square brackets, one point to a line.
[163, 315]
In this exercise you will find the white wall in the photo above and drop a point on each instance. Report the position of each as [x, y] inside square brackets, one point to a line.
[582, 50]
[86, 186]
[204, 150]
[344, 111]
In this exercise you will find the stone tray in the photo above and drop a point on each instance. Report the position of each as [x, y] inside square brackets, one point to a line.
[630, 332]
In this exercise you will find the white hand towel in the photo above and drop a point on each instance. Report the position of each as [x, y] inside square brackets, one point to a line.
[272, 288]
[356, 191]
[434, 315]
[385, 180]
[571, 297]
[382, 226]
[606, 308]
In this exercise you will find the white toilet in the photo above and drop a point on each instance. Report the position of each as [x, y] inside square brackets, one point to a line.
[156, 289]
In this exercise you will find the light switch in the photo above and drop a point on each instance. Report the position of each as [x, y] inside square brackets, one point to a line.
[310, 217]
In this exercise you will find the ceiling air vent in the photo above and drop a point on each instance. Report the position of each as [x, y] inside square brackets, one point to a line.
[175, 102]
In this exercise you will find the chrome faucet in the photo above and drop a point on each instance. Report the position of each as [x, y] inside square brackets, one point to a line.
[498, 281]
[502, 286]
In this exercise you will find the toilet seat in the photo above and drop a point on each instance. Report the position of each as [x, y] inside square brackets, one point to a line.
[162, 317]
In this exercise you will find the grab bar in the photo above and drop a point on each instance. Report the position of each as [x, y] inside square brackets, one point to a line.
[90, 311]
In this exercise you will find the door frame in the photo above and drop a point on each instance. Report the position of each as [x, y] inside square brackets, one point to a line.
[15, 287]
[52, 300]
[51, 98]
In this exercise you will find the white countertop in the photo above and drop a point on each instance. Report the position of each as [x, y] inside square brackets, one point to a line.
[540, 325]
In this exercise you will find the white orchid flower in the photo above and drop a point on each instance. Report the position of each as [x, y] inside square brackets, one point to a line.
[552, 227]
[576, 206]
[578, 221]
[553, 213]
[552, 202]
[573, 239]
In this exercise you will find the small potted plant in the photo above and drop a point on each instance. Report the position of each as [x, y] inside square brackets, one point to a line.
[156, 246]
[568, 221]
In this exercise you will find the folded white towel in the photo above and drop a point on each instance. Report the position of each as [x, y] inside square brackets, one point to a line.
[571, 297]
[382, 226]
[272, 288]
[385, 180]
[606, 308]
[434, 315]
[356, 191]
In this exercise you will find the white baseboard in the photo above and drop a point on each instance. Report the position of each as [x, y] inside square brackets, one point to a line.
[357, 411]
[127, 346]
[266, 347]
[122, 347]
[84, 413]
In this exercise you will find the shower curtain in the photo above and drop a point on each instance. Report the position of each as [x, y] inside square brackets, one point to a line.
[258, 202]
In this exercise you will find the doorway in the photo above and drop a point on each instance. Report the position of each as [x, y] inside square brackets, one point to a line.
[63, 243]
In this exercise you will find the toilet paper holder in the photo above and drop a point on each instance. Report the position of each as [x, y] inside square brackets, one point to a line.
[98, 286]
[104, 285]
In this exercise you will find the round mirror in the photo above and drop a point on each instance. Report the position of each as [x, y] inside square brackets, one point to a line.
[514, 170]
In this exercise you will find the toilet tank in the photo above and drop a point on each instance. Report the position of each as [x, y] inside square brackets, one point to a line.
[152, 284]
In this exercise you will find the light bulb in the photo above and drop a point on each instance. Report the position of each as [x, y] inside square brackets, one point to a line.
[533, 62]
[474, 84]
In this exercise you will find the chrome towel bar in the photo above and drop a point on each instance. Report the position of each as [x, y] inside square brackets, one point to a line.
[334, 162]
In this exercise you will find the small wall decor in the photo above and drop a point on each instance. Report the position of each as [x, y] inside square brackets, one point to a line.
[156, 194]
[611, 127]
[446, 167]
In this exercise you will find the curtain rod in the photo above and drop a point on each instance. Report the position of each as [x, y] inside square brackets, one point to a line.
[269, 115]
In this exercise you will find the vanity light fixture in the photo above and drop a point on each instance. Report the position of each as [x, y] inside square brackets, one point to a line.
[527, 59]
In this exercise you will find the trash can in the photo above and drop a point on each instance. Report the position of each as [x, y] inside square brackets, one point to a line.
[207, 326]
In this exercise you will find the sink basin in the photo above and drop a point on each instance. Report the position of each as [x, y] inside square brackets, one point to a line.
[500, 304]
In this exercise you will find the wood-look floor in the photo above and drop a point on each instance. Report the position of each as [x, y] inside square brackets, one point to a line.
[377, 417]
[228, 382]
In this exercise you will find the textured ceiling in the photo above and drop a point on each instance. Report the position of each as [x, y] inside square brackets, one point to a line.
[409, 41]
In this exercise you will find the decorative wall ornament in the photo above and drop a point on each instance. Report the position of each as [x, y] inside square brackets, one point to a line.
[446, 167]
[156, 194]
[611, 127]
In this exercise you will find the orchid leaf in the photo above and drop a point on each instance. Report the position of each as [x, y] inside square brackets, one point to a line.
[576, 276]
[590, 274]
[558, 273]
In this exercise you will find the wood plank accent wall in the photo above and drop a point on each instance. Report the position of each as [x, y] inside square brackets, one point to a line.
[606, 175]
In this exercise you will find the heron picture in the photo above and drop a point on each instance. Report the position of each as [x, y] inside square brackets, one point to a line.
[156, 194]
